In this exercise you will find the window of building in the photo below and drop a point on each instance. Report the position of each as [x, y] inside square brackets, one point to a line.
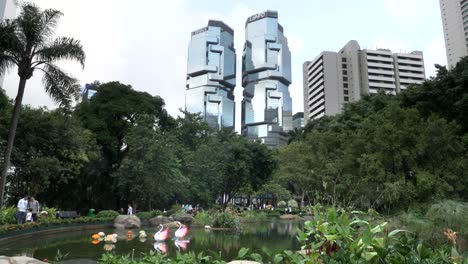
[345, 91]
[343, 59]
[345, 79]
[344, 66]
[346, 99]
[345, 85]
[345, 72]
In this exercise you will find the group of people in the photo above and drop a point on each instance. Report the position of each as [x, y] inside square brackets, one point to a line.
[28, 209]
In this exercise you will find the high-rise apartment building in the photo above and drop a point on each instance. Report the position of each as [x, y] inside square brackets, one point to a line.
[455, 24]
[211, 75]
[266, 76]
[7, 11]
[333, 79]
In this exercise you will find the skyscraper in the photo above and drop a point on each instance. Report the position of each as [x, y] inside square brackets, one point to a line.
[211, 75]
[333, 79]
[7, 11]
[266, 76]
[455, 24]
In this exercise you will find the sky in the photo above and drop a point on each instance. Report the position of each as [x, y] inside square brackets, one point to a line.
[144, 43]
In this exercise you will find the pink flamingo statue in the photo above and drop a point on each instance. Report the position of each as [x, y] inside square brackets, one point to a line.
[161, 235]
[182, 231]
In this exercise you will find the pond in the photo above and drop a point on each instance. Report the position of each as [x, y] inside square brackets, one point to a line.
[274, 236]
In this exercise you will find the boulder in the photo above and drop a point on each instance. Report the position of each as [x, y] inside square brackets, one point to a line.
[127, 222]
[19, 260]
[160, 220]
[185, 219]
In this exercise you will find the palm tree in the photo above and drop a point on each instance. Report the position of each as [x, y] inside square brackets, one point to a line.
[27, 42]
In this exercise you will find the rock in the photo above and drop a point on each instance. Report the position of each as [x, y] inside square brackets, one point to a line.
[19, 260]
[289, 217]
[127, 221]
[159, 220]
[185, 219]
[243, 262]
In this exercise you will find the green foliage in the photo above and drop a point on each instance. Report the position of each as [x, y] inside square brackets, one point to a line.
[108, 213]
[148, 215]
[203, 218]
[253, 216]
[449, 214]
[153, 257]
[282, 204]
[225, 220]
[293, 203]
[8, 215]
[43, 222]
[51, 212]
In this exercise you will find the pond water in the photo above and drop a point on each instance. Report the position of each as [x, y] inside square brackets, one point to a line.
[274, 236]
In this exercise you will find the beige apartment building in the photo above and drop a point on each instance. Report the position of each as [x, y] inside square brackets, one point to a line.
[333, 79]
[455, 24]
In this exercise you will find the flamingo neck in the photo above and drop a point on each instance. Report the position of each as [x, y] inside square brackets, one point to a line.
[180, 226]
[161, 229]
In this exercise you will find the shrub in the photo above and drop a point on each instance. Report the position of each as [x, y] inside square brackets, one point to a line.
[282, 204]
[52, 212]
[254, 216]
[293, 203]
[225, 220]
[449, 214]
[203, 218]
[8, 215]
[148, 215]
[107, 213]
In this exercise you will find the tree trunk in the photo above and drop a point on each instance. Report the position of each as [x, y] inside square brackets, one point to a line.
[11, 138]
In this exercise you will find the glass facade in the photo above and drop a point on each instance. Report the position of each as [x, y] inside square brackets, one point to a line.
[266, 76]
[211, 75]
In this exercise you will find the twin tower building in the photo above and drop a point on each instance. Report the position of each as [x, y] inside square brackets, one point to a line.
[266, 75]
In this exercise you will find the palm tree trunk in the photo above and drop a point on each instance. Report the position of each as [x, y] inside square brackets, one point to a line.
[11, 137]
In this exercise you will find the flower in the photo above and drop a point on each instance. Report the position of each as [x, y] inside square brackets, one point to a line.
[451, 236]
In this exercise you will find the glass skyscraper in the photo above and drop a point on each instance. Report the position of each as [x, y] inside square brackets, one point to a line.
[211, 75]
[266, 75]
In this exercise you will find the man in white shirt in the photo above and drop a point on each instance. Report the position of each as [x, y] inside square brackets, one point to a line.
[22, 207]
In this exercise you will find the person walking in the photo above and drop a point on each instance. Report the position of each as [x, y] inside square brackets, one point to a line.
[22, 207]
[130, 210]
[34, 206]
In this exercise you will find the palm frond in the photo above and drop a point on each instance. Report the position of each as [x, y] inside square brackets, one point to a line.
[62, 48]
[36, 26]
[10, 45]
[60, 86]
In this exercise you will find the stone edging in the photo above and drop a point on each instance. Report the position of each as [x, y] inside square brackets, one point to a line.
[51, 230]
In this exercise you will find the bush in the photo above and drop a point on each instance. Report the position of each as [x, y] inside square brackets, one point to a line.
[225, 220]
[52, 212]
[148, 215]
[254, 216]
[203, 218]
[293, 203]
[8, 215]
[108, 213]
[282, 204]
[449, 214]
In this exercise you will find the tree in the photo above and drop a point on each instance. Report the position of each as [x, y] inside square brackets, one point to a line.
[50, 152]
[112, 112]
[149, 175]
[26, 42]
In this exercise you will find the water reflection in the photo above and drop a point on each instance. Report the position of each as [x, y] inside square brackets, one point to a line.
[160, 247]
[275, 237]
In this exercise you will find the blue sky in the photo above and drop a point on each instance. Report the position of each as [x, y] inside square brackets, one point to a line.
[144, 42]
